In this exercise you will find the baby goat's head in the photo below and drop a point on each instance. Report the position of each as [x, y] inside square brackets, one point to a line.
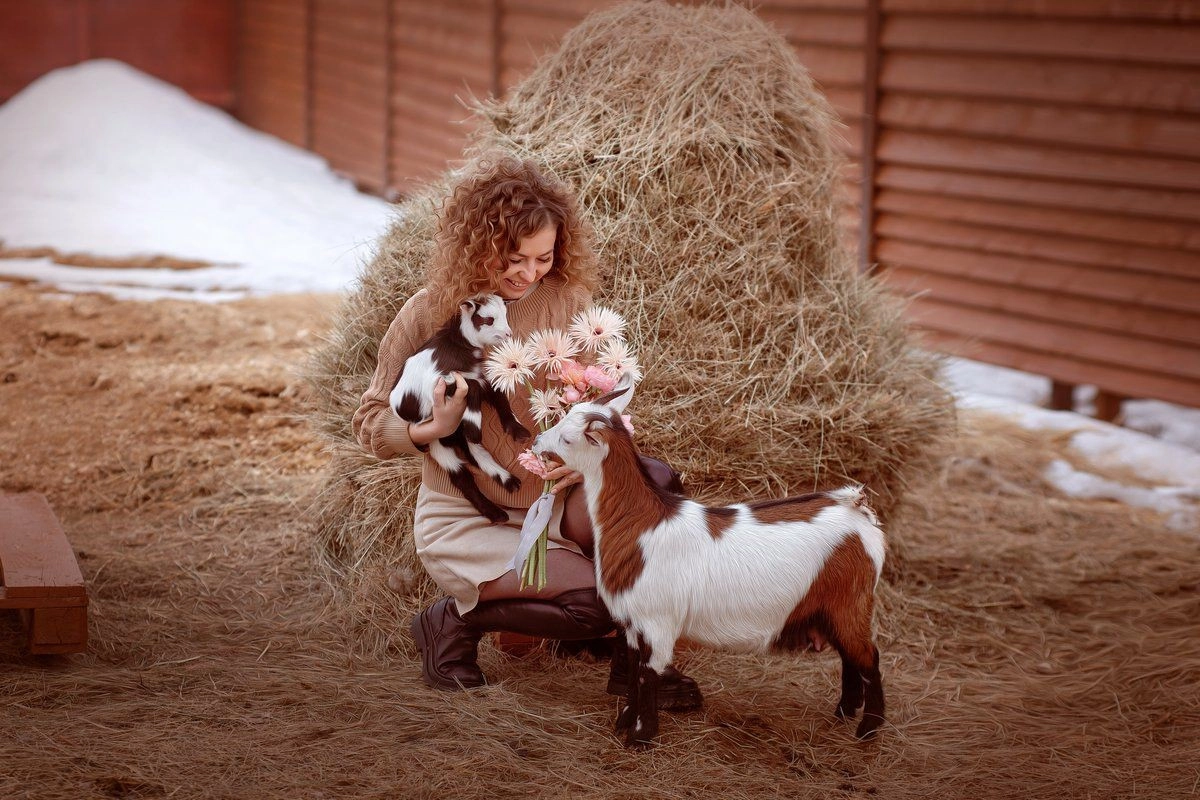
[483, 320]
[580, 439]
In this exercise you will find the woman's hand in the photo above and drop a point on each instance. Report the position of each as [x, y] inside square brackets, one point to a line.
[446, 415]
[565, 476]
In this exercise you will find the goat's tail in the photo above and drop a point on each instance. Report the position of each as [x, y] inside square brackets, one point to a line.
[854, 496]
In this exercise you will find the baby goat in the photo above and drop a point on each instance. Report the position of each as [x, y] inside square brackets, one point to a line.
[779, 573]
[457, 346]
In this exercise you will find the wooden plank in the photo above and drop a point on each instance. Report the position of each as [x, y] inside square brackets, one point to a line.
[1014, 158]
[846, 28]
[832, 66]
[1047, 219]
[1130, 383]
[1112, 316]
[1068, 279]
[1163, 203]
[1120, 9]
[36, 560]
[1049, 337]
[1143, 261]
[1106, 40]
[1142, 133]
[1115, 85]
[58, 630]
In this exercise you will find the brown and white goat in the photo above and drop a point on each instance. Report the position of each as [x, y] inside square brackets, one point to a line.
[747, 577]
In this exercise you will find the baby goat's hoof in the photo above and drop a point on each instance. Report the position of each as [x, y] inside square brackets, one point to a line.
[519, 433]
[511, 483]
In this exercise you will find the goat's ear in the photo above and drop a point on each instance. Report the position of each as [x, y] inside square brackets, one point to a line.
[592, 431]
[468, 305]
[620, 396]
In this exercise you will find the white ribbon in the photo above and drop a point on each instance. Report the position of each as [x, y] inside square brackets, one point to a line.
[536, 520]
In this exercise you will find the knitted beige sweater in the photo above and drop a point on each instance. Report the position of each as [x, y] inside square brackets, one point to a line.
[551, 304]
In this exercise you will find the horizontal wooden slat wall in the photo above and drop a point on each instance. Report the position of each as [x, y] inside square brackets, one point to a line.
[349, 80]
[1037, 185]
[442, 55]
[273, 68]
[189, 43]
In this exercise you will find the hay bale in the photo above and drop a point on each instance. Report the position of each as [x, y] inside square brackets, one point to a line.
[704, 157]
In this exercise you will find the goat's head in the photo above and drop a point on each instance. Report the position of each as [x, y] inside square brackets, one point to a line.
[483, 320]
[580, 440]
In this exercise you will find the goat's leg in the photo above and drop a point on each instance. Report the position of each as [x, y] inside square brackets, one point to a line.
[508, 419]
[852, 689]
[656, 648]
[483, 460]
[633, 666]
[460, 477]
[873, 712]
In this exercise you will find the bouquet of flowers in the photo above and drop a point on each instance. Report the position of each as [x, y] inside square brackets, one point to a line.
[579, 364]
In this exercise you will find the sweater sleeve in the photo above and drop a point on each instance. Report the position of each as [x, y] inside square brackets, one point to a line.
[378, 430]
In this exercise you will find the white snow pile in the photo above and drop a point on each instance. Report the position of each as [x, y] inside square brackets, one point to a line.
[1171, 468]
[105, 160]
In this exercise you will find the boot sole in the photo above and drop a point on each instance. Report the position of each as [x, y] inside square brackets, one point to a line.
[433, 681]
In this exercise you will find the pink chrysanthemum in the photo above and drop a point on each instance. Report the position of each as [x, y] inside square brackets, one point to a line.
[510, 365]
[593, 328]
[550, 349]
[545, 405]
[617, 359]
[533, 464]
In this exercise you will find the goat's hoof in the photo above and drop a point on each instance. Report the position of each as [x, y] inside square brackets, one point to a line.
[520, 434]
[511, 484]
[846, 710]
[869, 726]
[496, 515]
[640, 738]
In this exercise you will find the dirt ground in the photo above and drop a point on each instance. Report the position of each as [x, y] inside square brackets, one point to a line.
[1033, 646]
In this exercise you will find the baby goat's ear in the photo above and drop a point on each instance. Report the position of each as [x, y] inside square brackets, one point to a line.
[620, 396]
[469, 305]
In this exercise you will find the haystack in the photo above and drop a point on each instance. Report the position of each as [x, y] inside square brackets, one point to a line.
[704, 157]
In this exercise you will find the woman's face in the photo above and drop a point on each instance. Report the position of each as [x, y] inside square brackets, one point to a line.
[532, 260]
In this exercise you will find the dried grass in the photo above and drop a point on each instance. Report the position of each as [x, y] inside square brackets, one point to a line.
[704, 157]
[1033, 646]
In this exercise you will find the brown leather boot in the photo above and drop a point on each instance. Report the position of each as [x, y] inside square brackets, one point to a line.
[449, 646]
[676, 691]
[449, 641]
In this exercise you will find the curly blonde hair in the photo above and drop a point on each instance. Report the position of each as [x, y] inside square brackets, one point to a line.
[488, 212]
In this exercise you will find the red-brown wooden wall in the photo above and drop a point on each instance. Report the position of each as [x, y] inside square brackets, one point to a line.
[189, 43]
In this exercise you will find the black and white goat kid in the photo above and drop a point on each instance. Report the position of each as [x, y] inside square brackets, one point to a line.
[458, 346]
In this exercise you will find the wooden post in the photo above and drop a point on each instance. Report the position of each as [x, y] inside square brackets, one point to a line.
[1108, 406]
[1062, 396]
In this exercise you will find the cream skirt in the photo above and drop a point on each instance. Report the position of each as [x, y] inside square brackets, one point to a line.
[461, 550]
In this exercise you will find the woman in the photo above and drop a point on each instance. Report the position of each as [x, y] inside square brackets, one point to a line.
[507, 229]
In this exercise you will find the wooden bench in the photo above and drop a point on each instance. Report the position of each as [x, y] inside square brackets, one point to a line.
[40, 577]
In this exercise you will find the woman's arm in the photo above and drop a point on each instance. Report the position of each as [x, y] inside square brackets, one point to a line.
[378, 430]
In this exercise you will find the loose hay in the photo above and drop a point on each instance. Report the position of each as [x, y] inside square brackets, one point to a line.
[1034, 646]
[704, 157]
